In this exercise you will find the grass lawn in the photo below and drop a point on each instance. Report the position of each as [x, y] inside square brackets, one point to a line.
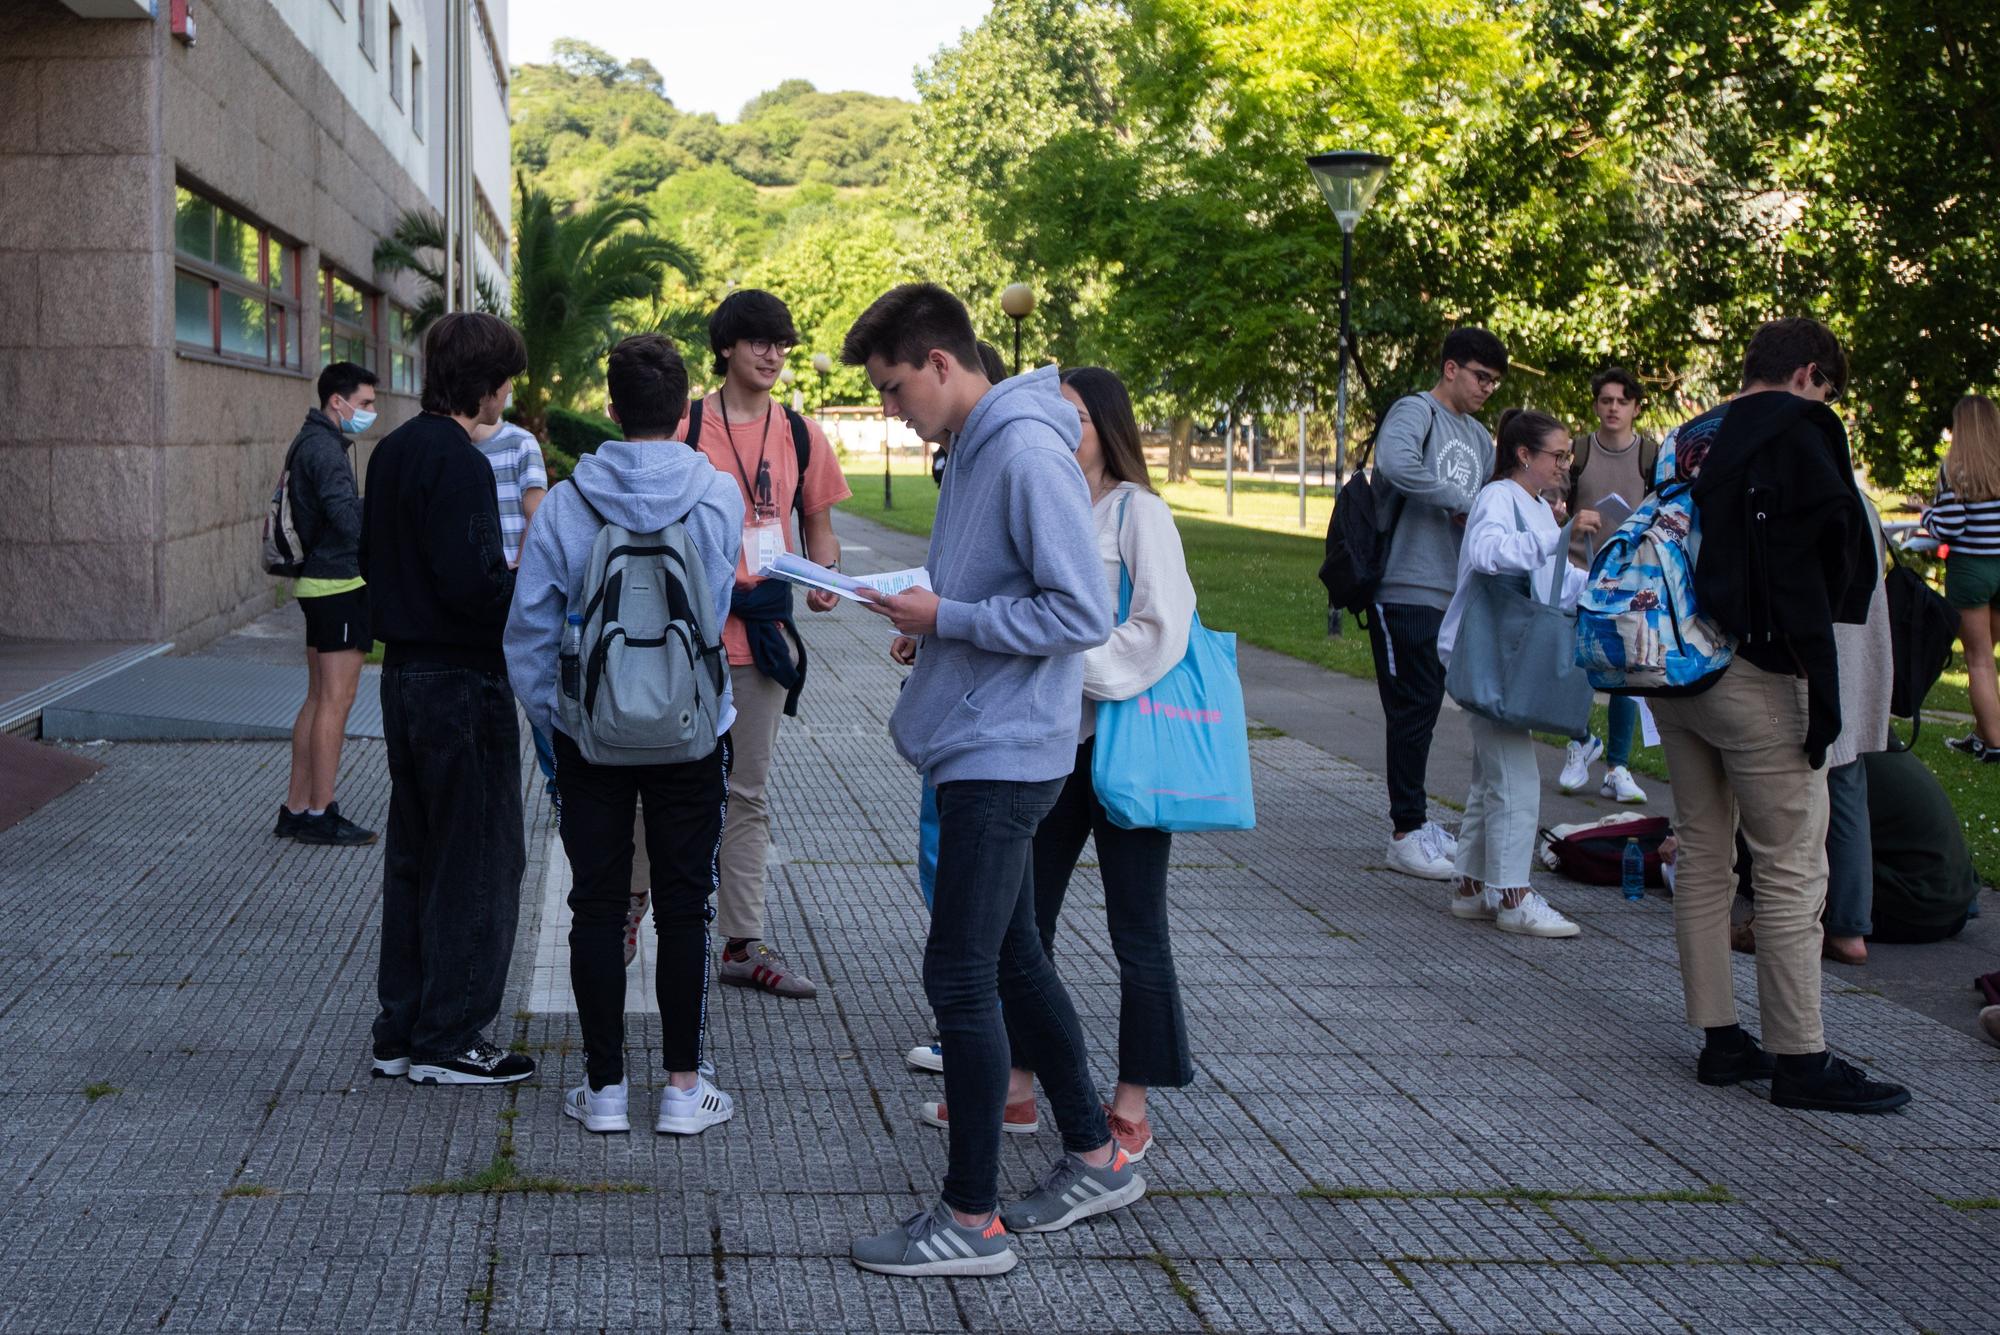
[1258, 576]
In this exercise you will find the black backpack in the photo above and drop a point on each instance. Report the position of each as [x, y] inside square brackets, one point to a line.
[1922, 627]
[801, 446]
[1357, 536]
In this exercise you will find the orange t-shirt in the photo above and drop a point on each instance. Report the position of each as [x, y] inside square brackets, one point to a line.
[735, 449]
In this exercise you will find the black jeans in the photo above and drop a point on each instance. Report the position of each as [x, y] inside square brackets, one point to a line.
[453, 857]
[1152, 1029]
[1410, 680]
[985, 947]
[684, 806]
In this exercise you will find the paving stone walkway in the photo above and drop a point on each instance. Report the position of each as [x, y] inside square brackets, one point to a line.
[1401, 1122]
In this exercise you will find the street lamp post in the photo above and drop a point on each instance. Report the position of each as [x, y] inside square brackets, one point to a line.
[1017, 300]
[823, 364]
[1349, 181]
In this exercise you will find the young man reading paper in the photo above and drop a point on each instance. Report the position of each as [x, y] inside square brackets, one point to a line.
[990, 715]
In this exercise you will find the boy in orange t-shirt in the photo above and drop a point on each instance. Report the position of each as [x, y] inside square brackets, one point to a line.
[749, 436]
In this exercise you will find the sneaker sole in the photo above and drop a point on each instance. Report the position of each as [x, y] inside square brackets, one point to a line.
[1011, 1128]
[1111, 1200]
[1449, 873]
[690, 1126]
[1720, 1081]
[598, 1122]
[334, 843]
[389, 1068]
[997, 1264]
[1542, 932]
[444, 1075]
[1477, 915]
[791, 994]
[1889, 1104]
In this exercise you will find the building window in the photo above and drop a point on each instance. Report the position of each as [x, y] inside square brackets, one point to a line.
[364, 21]
[417, 94]
[489, 44]
[347, 328]
[486, 222]
[406, 358]
[395, 58]
[236, 286]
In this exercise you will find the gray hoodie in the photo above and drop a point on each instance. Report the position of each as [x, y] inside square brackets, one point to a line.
[1435, 484]
[643, 485]
[998, 690]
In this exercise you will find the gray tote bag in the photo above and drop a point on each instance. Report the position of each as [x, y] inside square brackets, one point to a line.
[1514, 660]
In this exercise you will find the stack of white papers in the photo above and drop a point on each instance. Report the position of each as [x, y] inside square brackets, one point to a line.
[796, 569]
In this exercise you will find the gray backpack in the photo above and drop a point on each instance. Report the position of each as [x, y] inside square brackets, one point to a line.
[652, 670]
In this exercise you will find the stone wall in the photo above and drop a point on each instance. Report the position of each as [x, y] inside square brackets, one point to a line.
[133, 478]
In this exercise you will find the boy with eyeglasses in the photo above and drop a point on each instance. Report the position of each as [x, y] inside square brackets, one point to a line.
[1431, 458]
[749, 436]
[1614, 460]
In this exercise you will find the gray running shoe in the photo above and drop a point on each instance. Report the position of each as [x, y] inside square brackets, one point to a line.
[931, 1242]
[764, 969]
[1074, 1190]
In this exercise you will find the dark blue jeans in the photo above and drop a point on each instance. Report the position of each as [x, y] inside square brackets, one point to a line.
[1152, 1029]
[453, 857]
[985, 943]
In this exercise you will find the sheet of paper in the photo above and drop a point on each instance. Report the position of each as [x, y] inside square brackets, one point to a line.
[1649, 731]
[797, 569]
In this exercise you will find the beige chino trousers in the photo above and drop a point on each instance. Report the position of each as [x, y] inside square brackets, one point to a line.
[1736, 756]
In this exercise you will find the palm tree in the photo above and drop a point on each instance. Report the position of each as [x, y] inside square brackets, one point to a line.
[417, 246]
[577, 276]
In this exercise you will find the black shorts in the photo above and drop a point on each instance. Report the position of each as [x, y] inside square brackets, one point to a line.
[337, 621]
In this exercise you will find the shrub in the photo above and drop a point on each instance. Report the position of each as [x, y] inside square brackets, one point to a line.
[577, 434]
[560, 465]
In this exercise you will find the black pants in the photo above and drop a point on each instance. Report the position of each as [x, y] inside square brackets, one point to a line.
[453, 857]
[1410, 680]
[1152, 1029]
[684, 807]
[984, 955]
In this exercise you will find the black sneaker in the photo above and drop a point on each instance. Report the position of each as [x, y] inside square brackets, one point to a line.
[1837, 1086]
[1967, 745]
[1718, 1066]
[288, 822]
[330, 827]
[480, 1064]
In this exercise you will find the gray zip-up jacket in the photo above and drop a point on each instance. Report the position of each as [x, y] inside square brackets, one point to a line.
[325, 502]
[998, 690]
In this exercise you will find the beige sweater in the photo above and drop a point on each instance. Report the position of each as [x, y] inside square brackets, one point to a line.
[1867, 671]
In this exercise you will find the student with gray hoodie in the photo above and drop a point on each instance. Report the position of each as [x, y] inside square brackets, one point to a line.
[643, 483]
[990, 715]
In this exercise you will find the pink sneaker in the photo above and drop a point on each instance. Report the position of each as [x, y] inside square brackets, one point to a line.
[1135, 1138]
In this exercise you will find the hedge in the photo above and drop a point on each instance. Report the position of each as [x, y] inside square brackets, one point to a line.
[577, 434]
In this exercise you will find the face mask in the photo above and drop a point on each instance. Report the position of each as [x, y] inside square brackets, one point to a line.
[359, 422]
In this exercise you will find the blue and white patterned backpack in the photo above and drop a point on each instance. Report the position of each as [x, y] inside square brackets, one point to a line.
[1638, 631]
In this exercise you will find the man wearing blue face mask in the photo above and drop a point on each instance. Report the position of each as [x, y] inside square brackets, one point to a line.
[327, 509]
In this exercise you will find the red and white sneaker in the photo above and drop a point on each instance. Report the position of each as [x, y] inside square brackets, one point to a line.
[1135, 1138]
[765, 969]
[635, 916]
[1020, 1119]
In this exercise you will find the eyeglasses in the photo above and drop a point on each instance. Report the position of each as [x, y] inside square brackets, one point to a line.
[1487, 379]
[1822, 381]
[763, 347]
[1564, 457]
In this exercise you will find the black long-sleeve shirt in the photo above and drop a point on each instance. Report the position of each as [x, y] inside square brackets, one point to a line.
[438, 582]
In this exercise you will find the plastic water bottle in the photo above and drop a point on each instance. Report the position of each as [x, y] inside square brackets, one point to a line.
[1635, 871]
[571, 656]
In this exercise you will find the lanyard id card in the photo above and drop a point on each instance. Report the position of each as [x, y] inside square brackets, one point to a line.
[763, 539]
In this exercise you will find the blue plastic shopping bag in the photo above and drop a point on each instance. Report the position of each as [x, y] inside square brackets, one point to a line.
[1177, 755]
[927, 842]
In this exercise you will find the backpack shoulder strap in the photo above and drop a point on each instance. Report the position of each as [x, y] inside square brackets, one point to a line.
[1580, 459]
[802, 447]
[1649, 458]
[1368, 450]
[694, 425]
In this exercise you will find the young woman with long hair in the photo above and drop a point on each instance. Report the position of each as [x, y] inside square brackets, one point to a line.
[1135, 532]
[1966, 517]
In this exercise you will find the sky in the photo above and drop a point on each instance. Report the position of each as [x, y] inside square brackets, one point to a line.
[715, 55]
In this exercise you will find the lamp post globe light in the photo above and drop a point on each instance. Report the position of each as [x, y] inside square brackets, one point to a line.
[1349, 181]
[1017, 300]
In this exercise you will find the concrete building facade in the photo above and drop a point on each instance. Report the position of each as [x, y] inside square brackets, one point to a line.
[187, 233]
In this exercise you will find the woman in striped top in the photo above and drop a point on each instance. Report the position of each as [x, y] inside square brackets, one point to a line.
[1966, 518]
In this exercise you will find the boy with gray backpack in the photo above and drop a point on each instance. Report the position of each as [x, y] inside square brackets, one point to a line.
[614, 645]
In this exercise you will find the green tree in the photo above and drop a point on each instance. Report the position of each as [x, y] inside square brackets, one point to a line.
[579, 277]
[417, 246]
[831, 264]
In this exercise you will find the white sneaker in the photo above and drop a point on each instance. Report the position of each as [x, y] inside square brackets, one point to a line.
[689, 1112]
[1442, 841]
[1576, 765]
[1417, 855]
[1618, 786]
[926, 1057]
[1480, 907]
[600, 1110]
[1534, 917]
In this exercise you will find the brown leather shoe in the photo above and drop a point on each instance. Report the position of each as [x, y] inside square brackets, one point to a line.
[1845, 950]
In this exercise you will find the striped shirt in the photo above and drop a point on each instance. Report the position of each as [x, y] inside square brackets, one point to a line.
[1971, 528]
[517, 466]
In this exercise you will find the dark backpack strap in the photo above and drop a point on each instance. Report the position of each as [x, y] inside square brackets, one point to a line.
[1649, 459]
[802, 447]
[694, 425]
[1580, 459]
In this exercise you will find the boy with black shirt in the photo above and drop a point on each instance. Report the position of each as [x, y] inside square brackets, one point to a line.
[1783, 535]
[439, 589]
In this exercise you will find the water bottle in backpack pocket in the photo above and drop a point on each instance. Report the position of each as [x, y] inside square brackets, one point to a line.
[651, 669]
[1638, 629]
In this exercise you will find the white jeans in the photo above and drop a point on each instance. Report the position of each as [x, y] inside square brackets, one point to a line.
[1496, 841]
